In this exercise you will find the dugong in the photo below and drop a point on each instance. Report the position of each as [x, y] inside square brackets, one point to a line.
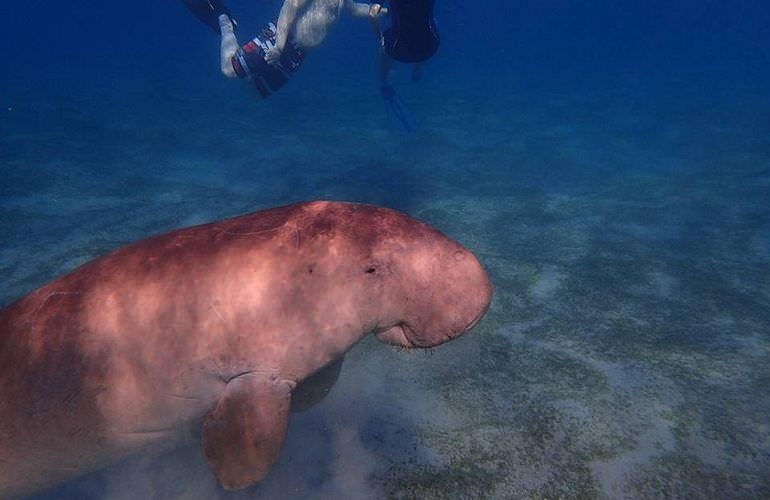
[206, 331]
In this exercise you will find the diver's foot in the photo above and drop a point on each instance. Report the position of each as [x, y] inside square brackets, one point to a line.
[228, 47]
[220, 9]
[417, 73]
[208, 11]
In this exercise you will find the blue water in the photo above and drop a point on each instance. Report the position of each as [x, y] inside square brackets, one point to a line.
[608, 161]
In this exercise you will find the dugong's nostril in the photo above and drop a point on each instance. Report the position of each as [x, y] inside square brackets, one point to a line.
[459, 255]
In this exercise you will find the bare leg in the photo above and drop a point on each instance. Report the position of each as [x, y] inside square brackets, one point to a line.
[228, 47]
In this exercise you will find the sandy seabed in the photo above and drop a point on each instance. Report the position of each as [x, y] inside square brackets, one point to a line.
[627, 351]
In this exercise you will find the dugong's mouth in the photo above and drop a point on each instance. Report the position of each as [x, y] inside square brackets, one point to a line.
[395, 335]
[477, 318]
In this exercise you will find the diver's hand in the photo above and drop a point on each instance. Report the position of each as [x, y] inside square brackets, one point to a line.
[376, 9]
[273, 55]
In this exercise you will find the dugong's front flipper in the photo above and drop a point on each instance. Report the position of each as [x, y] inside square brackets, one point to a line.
[313, 389]
[243, 435]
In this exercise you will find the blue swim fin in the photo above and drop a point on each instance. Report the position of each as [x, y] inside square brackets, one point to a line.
[396, 110]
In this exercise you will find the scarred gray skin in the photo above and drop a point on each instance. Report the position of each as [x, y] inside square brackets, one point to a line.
[209, 329]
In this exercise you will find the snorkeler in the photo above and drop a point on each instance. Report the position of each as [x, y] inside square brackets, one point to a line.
[276, 53]
[411, 38]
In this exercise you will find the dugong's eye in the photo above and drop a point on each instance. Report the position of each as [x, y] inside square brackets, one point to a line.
[370, 270]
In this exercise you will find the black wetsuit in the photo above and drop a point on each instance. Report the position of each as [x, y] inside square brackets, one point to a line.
[412, 36]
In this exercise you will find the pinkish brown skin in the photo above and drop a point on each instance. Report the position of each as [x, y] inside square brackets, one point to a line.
[211, 327]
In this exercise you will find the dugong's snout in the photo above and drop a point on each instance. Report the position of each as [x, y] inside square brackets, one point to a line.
[481, 313]
[461, 298]
[448, 298]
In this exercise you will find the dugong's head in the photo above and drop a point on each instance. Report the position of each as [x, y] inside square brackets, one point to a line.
[436, 289]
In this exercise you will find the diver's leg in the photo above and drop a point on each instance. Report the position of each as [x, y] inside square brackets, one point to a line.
[228, 47]
[385, 63]
[417, 72]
